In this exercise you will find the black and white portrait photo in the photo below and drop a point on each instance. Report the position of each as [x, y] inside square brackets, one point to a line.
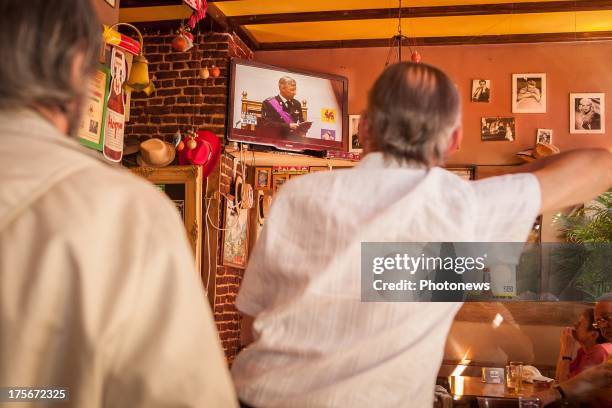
[497, 129]
[528, 93]
[354, 144]
[587, 113]
[544, 136]
[481, 90]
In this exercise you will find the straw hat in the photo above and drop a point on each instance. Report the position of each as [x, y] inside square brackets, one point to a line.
[541, 150]
[155, 153]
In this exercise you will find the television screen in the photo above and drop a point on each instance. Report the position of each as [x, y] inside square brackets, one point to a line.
[287, 109]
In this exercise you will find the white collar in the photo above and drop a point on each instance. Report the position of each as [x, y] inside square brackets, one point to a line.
[282, 98]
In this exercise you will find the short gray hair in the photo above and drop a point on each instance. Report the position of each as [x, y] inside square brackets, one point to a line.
[39, 40]
[286, 79]
[412, 111]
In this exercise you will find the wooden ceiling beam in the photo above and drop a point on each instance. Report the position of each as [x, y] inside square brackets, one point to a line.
[156, 3]
[433, 11]
[428, 41]
[217, 15]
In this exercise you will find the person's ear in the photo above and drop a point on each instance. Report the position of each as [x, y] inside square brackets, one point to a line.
[455, 141]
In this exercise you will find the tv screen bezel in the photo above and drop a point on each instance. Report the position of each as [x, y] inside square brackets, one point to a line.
[296, 144]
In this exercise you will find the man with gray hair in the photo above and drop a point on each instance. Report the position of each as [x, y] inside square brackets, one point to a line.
[314, 342]
[99, 294]
[282, 115]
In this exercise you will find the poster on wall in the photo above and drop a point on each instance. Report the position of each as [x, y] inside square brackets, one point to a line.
[528, 93]
[114, 126]
[91, 131]
[235, 236]
[587, 113]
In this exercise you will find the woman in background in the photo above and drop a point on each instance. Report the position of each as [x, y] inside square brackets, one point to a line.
[593, 349]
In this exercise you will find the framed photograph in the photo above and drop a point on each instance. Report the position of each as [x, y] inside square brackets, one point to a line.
[497, 129]
[111, 3]
[481, 90]
[354, 146]
[263, 178]
[587, 113]
[278, 180]
[528, 93]
[235, 236]
[91, 131]
[183, 185]
[465, 172]
[544, 136]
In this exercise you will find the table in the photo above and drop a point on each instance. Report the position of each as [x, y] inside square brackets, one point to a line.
[474, 387]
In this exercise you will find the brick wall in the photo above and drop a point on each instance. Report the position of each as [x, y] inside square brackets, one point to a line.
[183, 99]
[228, 279]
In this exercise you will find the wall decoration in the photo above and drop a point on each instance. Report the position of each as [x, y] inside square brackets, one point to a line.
[114, 126]
[181, 184]
[544, 136]
[354, 146]
[263, 178]
[314, 169]
[528, 93]
[587, 113]
[91, 132]
[497, 129]
[235, 236]
[278, 180]
[111, 3]
[465, 172]
[481, 90]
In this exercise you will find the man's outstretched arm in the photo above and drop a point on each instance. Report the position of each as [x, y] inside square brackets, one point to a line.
[572, 177]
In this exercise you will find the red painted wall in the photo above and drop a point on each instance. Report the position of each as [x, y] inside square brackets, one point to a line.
[570, 67]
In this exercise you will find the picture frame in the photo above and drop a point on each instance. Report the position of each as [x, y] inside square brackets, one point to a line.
[263, 178]
[314, 169]
[354, 146]
[278, 180]
[91, 130]
[465, 172]
[191, 178]
[587, 113]
[500, 129]
[529, 93]
[544, 136]
[235, 240]
[111, 3]
[481, 91]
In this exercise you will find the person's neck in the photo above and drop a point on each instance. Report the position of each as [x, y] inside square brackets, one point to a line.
[55, 117]
[589, 345]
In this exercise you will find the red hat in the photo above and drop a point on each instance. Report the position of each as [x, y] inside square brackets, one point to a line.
[205, 154]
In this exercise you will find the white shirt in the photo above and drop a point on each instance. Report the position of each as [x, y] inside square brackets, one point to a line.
[98, 288]
[316, 344]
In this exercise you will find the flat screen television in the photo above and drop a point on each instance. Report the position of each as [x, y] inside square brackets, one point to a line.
[286, 109]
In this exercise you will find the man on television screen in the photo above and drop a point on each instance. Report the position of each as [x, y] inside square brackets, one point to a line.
[283, 113]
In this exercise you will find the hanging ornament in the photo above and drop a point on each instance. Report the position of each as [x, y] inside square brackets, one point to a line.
[215, 71]
[180, 147]
[415, 57]
[183, 40]
[204, 73]
[191, 142]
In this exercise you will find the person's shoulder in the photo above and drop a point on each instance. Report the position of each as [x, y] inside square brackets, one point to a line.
[604, 348]
[269, 100]
[111, 192]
